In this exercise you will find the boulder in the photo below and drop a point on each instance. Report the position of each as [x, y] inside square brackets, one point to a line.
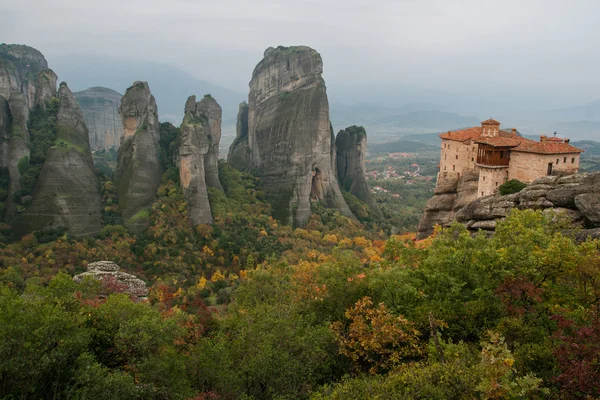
[589, 205]
[110, 274]
[289, 136]
[351, 146]
[447, 182]
[139, 169]
[100, 108]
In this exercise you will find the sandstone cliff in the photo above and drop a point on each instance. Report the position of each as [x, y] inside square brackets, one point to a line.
[451, 193]
[139, 169]
[576, 196]
[198, 155]
[18, 147]
[289, 138]
[66, 193]
[351, 146]
[101, 112]
[45, 87]
[19, 68]
[239, 153]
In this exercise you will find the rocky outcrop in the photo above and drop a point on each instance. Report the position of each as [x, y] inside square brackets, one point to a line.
[351, 146]
[114, 280]
[100, 108]
[239, 153]
[66, 193]
[45, 88]
[451, 193]
[139, 168]
[289, 138]
[18, 147]
[198, 156]
[19, 69]
[577, 197]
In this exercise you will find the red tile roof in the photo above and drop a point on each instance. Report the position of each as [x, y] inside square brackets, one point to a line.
[509, 139]
[490, 121]
[463, 134]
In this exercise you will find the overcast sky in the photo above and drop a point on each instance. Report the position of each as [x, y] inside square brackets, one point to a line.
[543, 50]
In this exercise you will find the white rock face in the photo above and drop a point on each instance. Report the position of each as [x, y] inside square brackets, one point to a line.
[107, 271]
[101, 112]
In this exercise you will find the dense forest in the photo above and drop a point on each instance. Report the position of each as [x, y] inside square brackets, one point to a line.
[249, 308]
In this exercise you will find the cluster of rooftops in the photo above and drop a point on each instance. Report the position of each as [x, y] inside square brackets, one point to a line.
[490, 134]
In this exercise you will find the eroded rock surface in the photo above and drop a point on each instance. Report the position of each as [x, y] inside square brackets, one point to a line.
[19, 69]
[351, 146]
[239, 153]
[576, 197]
[66, 193]
[139, 170]
[198, 156]
[110, 274]
[100, 108]
[289, 138]
[451, 193]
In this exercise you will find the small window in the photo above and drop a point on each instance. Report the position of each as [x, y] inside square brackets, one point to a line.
[444, 167]
[472, 158]
[557, 160]
[454, 168]
[484, 178]
[565, 160]
[496, 184]
[573, 160]
[473, 148]
[457, 156]
[482, 193]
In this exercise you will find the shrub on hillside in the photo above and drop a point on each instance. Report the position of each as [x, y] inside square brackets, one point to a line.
[512, 186]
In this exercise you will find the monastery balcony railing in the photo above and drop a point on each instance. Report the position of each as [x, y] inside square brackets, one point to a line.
[493, 158]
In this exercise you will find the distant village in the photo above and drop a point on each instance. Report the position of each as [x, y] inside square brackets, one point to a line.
[410, 176]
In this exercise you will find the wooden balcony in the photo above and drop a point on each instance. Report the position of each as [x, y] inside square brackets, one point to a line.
[489, 156]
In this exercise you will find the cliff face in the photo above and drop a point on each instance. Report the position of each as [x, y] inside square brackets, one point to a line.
[139, 169]
[289, 138]
[576, 196]
[451, 193]
[45, 87]
[18, 146]
[351, 146]
[198, 155]
[100, 108]
[239, 153]
[19, 68]
[66, 193]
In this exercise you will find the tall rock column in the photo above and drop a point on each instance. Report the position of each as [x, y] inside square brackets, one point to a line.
[289, 137]
[198, 156]
[67, 192]
[18, 147]
[45, 87]
[351, 146]
[239, 153]
[139, 169]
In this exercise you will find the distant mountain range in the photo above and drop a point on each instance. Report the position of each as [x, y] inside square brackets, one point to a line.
[170, 85]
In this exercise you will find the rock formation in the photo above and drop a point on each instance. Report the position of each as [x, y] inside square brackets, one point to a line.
[66, 193]
[19, 68]
[351, 146]
[100, 108]
[289, 138]
[239, 153]
[451, 192]
[139, 169]
[18, 146]
[576, 196]
[45, 87]
[198, 156]
[110, 274]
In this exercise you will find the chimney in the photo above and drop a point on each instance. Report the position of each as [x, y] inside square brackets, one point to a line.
[514, 131]
[543, 138]
[567, 140]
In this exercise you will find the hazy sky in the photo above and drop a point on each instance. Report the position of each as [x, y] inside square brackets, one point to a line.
[543, 50]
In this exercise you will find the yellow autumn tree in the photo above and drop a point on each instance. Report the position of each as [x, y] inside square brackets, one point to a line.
[374, 339]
